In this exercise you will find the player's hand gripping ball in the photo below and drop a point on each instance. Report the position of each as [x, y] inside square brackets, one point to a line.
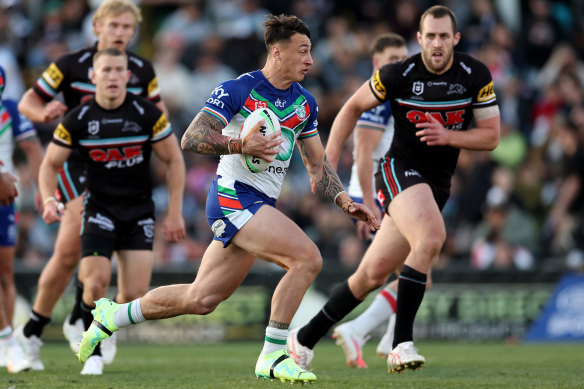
[271, 124]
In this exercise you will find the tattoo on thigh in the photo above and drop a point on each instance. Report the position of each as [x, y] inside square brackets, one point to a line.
[278, 325]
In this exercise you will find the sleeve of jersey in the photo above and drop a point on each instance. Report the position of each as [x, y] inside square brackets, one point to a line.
[51, 81]
[62, 136]
[309, 109]
[375, 119]
[484, 94]
[153, 90]
[161, 129]
[226, 100]
[22, 128]
[378, 83]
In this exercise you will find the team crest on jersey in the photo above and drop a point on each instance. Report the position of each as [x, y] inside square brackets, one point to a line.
[261, 104]
[418, 87]
[456, 89]
[299, 109]
[93, 127]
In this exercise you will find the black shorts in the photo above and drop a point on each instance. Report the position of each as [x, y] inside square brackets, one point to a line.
[108, 228]
[393, 177]
[71, 179]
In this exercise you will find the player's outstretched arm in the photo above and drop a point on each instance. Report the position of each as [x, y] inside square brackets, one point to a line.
[54, 158]
[169, 153]
[37, 110]
[327, 181]
[362, 100]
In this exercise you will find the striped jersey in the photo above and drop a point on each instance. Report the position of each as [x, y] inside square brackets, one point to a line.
[116, 145]
[378, 119]
[449, 97]
[232, 101]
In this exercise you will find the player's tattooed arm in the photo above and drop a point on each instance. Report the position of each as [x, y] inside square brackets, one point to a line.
[203, 136]
[329, 184]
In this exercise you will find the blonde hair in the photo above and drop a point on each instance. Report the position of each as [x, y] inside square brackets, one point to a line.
[115, 8]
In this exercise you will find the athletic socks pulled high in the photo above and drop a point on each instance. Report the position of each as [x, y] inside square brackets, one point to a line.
[411, 288]
[340, 304]
[35, 325]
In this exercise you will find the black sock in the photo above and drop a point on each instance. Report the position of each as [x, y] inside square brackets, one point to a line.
[410, 293]
[76, 312]
[35, 325]
[87, 318]
[339, 305]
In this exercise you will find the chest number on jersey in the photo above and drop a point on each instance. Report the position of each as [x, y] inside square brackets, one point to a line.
[449, 119]
[114, 157]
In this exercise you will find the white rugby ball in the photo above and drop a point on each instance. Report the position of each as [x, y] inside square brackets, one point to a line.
[271, 124]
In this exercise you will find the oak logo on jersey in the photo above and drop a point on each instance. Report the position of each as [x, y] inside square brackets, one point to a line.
[486, 93]
[118, 157]
[53, 76]
[160, 126]
[93, 127]
[449, 119]
[378, 86]
[61, 134]
[418, 87]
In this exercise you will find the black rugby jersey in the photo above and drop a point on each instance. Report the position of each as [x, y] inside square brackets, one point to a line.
[116, 145]
[70, 75]
[449, 97]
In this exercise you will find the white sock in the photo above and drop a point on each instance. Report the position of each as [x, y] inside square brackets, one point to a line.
[6, 337]
[379, 311]
[5, 332]
[275, 340]
[129, 313]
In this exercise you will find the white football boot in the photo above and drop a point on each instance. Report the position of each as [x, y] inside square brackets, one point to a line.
[15, 359]
[386, 342]
[73, 333]
[302, 355]
[31, 348]
[404, 356]
[352, 343]
[93, 366]
[109, 348]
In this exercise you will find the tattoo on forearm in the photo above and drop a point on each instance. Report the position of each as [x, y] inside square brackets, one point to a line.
[278, 325]
[330, 184]
[203, 136]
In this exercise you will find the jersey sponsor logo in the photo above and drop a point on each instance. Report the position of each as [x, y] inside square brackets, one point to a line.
[380, 196]
[412, 172]
[118, 157]
[486, 93]
[153, 87]
[103, 222]
[451, 119]
[456, 89]
[93, 127]
[261, 104]
[62, 135]
[465, 67]
[148, 227]
[418, 87]
[378, 86]
[160, 126]
[53, 76]
[218, 228]
[111, 121]
[280, 103]
[216, 96]
[439, 83]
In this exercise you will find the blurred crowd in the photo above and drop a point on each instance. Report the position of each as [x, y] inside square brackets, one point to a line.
[519, 207]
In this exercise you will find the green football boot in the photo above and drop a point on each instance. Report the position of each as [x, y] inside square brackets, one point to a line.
[101, 328]
[279, 365]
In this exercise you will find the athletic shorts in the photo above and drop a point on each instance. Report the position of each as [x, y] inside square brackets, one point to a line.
[109, 228]
[230, 204]
[393, 177]
[8, 226]
[71, 180]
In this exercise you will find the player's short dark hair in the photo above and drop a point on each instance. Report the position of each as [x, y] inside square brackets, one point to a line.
[438, 12]
[384, 41]
[111, 51]
[282, 27]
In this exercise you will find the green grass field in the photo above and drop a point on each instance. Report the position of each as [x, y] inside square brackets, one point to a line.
[231, 365]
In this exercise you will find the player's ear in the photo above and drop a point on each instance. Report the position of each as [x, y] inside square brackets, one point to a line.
[276, 51]
[456, 38]
[92, 75]
[419, 36]
[128, 75]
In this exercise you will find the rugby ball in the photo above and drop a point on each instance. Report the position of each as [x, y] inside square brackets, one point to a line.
[271, 124]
